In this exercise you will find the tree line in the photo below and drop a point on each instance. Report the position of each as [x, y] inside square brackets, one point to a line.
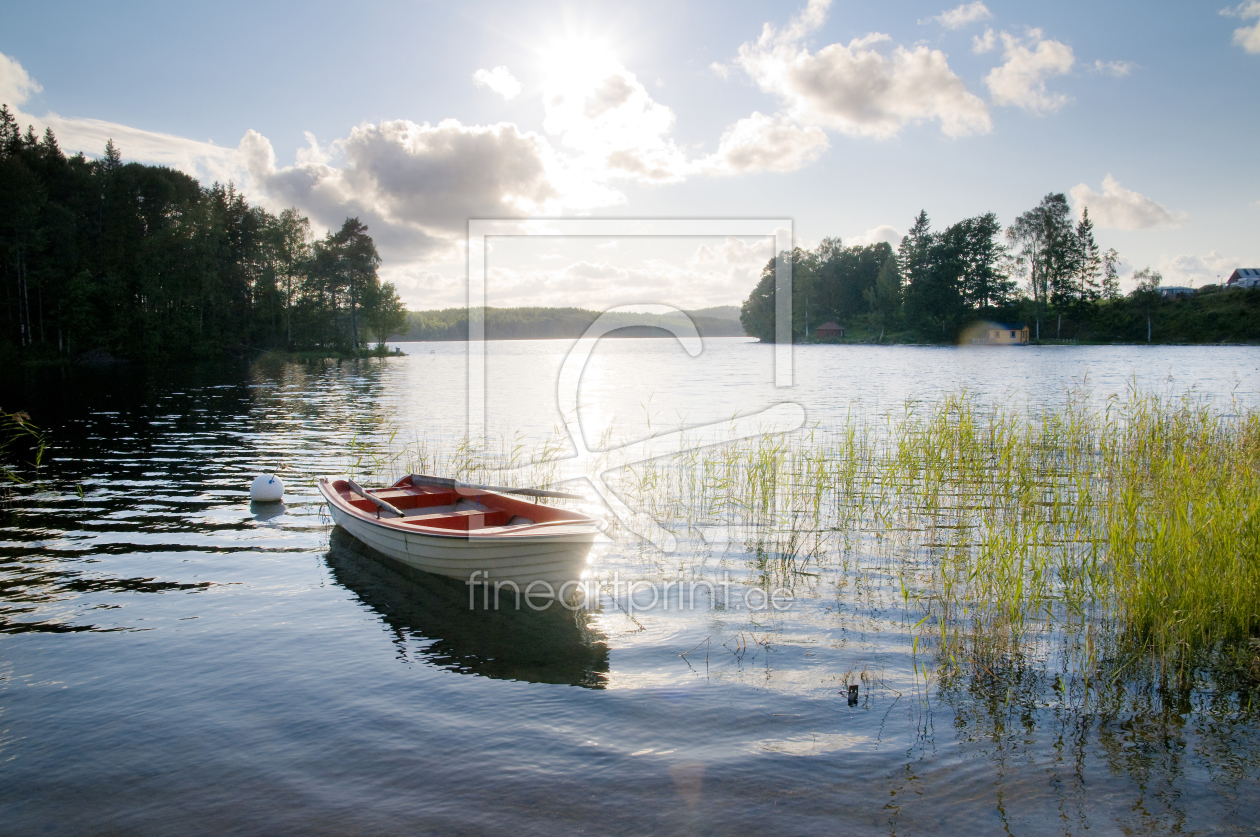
[1046, 269]
[144, 262]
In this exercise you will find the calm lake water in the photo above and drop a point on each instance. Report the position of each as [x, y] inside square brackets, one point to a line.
[173, 661]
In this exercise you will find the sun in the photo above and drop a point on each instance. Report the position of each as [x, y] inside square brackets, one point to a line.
[577, 60]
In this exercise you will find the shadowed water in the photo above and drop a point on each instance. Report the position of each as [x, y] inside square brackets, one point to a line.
[174, 660]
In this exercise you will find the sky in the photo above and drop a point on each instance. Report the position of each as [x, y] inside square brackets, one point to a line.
[846, 118]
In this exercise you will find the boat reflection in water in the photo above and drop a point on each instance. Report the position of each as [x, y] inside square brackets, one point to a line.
[556, 645]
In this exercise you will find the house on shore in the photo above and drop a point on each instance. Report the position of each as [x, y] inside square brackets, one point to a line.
[1244, 277]
[829, 331]
[1002, 334]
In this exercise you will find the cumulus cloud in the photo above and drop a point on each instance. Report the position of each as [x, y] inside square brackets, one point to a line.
[645, 281]
[16, 86]
[737, 254]
[1247, 37]
[415, 184]
[962, 15]
[717, 272]
[987, 42]
[423, 288]
[610, 122]
[1029, 61]
[499, 80]
[864, 88]
[1119, 208]
[766, 143]
[1119, 69]
[1194, 270]
[884, 232]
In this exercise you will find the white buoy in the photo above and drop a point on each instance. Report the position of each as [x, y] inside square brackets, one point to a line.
[267, 488]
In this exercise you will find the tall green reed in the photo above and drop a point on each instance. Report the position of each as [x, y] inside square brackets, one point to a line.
[1125, 532]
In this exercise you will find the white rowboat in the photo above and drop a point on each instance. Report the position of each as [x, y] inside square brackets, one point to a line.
[475, 535]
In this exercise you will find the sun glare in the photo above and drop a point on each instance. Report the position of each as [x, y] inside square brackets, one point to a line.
[577, 59]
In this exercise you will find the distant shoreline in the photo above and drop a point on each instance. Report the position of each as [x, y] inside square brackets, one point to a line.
[451, 324]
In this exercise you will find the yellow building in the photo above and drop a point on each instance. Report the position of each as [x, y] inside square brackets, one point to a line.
[1003, 334]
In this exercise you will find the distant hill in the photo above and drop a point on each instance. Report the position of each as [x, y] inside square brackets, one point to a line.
[718, 312]
[544, 323]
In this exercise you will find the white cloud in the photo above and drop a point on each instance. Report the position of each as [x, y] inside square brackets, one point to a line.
[713, 274]
[499, 80]
[962, 15]
[1247, 37]
[1195, 270]
[766, 143]
[415, 185]
[720, 70]
[884, 232]
[856, 88]
[616, 130]
[422, 288]
[987, 42]
[734, 254]
[717, 272]
[15, 85]
[202, 160]
[1119, 69]
[647, 281]
[1021, 81]
[1119, 208]
[313, 154]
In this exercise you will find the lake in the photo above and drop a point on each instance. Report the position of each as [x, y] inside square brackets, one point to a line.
[174, 661]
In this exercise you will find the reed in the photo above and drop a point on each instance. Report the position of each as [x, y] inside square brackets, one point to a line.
[22, 448]
[1130, 530]
[1121, 535]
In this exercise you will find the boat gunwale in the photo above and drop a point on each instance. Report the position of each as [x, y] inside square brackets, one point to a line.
[585, 524]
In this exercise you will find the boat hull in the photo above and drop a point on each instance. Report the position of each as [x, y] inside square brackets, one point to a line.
[546, 563]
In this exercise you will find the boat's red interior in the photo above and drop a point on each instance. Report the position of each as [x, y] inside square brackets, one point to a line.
[461, 510]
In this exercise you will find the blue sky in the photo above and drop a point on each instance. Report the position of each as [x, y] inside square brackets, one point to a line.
[847, 118]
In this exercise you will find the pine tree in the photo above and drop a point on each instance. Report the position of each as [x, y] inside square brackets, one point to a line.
[112, 161]
[10, 134]
[1088, 259]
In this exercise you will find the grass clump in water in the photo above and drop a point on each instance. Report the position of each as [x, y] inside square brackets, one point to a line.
[1120, 537]
[1130, 531]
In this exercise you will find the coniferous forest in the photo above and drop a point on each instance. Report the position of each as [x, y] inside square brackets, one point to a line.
[1045, 270]
[144, 262]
